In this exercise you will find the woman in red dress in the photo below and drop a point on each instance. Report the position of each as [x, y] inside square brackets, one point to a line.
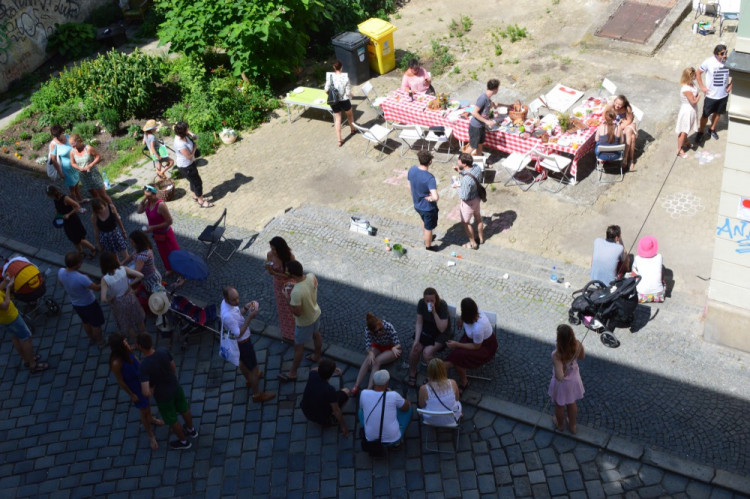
[276, 262]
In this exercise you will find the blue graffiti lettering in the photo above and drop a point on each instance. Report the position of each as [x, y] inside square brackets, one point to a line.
[738, 230]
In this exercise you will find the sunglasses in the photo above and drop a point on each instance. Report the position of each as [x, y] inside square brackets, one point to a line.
[722, 53]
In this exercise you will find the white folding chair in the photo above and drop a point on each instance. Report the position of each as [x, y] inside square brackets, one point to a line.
[367, 89]
[376, 134]
[620, 150]
[555, 163]
[728, 10]
[410, 136]
[607, 85]
[535, 105]
[514, 165]
[438, 139]
[450, 423]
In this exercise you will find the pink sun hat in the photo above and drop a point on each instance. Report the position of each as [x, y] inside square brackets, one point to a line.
[648, 247]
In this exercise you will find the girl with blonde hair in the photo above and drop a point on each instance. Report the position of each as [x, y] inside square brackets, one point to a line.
[687, 117]
[439, 394]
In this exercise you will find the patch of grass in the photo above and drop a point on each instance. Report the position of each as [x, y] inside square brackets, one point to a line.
[24, 135]
[513, 32]
[38, 140]
[25, 114]
[117, 166]
[498, 50]
[555, 2]
[128, 143]
[397, 16]
[456, 70]
[442, 59]
[473, 75]
[565, 61]
[461, 26]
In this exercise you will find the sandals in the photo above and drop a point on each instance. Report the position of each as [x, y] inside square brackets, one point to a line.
[206, 204]
[285, 378]
[39, 367]
[354, 391]
[558, 427]
[682, 155]
[157, 422]
[474, 246]
[341, 143]
[309, 357]
[36, 357]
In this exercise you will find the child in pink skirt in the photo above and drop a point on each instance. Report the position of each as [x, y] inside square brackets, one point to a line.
[566, 386]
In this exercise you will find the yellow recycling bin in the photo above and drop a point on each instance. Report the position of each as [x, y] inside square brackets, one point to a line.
[380, 49]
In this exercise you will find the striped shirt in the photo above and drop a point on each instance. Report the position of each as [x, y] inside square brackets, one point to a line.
[468, 189]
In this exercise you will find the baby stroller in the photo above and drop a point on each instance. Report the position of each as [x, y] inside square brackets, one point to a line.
[602, 308]
[190, 319]
[29, 288]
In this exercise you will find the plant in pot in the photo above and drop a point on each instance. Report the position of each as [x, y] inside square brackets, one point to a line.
[399, 250]
[228, 135]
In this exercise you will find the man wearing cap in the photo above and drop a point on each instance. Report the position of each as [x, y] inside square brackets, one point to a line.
[81, 291]
[239, 327]
[160, 156]
[397, 413]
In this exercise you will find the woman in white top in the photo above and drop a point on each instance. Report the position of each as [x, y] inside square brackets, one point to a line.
[687, 118]
[648, 264]
[129, 314]
[439, 394]
[340, 81]
[184, 149]
[477, 346]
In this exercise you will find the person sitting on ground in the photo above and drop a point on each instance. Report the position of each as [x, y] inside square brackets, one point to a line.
[321, 403]
[416, 79]
[609, 260]
[478, 345]
[648, 264]
[608, 134]
[156, 149]
[397, 414]
[432, 330]
[383, 347]
[439, 394]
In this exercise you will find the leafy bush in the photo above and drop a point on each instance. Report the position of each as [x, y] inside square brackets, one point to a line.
[406, 56]
[135, 130]
[72, 40]
[514, 32]
[461, 27]
[206, 143]
[64, 115]
[150, 25]
[122, 82]
[109, 119]
[165, 131]
[86, 129]
[124, 144]
[442, 59]
[39, 140]
[104, 15]
[24, 135]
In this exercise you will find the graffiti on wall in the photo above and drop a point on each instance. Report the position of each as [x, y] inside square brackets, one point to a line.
[25, 26]
[736, 231]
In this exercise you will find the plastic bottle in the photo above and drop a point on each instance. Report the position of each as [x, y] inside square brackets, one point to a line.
[553, 275]
[105, 178]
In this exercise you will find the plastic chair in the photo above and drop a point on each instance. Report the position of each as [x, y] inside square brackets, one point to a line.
[376, 134]
[375, 102]
[727, 11]
[514, 165]
[535, 105]
[410, 135]
[607, 85]
[432, 137]
[555, 163]
[213, 236]
[453, 425]
[620, 149]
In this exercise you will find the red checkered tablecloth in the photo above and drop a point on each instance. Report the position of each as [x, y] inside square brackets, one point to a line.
[398, 107]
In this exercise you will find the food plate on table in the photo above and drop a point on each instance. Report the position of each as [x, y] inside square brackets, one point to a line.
[454, 104]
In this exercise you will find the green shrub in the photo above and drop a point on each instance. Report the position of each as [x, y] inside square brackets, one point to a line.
[39, 140]
[72, 40]
[86, 129]
[124, 144]
[165, 131]
[109, 119]
[206, 143]
[514, 32]
[125, 83]
[406, 56]
[104, 15]
[24, 135]
[64, 115]
[442, 59]
[461, 27]
[135, 131]
[150, 24]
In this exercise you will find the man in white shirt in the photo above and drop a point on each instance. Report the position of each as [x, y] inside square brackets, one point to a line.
[716, 90]
[239, 327]
[397, 414]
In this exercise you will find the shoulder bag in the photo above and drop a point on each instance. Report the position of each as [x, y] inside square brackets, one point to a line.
[480, 188]
[229, 350]
[375, 447]
[333, 93]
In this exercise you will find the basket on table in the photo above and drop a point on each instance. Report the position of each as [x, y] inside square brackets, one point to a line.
[164, 188]
[518, 112]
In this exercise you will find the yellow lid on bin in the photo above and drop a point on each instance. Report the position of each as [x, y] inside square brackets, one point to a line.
[376, 28]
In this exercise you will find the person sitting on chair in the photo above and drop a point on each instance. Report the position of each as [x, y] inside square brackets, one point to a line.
[397, 413]
[417, 80]
[383, 347]
[609, 259]
[608, 134]
[321, 403]
[477, 346]
[431, 331]
[439, 394]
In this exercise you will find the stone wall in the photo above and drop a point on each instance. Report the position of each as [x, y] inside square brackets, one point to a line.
[24, 28]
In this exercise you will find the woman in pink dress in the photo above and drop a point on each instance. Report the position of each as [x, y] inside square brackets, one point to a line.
[276, 262]
[566, 386]
[159, 225]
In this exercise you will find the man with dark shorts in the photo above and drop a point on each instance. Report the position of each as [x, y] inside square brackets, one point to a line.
[321, 403]
[158, 377]
[239, 327]
[81, 291]
[716, 90]
[480, 116]
[425, 196]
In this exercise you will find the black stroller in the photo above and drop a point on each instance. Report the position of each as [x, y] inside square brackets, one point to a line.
[602, 308]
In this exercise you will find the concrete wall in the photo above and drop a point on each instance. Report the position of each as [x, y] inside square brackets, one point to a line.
[24, 28]
[728, 307]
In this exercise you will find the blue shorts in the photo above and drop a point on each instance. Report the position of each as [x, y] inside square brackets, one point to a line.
[19, 329]
[303, 334]
[430, 218]
[247, 354]
[90, 314]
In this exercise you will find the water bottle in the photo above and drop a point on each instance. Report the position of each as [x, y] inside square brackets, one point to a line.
[553, 275]
[105, 178]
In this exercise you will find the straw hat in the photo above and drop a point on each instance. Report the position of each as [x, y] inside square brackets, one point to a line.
[648, 247]
[151, 125]
[158, 303]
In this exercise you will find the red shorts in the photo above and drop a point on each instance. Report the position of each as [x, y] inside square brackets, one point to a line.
[381, 348]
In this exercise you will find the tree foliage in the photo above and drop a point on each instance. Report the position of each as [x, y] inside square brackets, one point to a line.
[263, 38]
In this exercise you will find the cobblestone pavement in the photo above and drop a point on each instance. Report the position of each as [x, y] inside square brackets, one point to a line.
[70, 432]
